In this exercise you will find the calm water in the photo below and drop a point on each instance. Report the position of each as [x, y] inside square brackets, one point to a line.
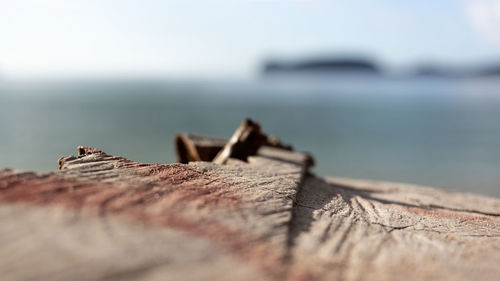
[429, 132]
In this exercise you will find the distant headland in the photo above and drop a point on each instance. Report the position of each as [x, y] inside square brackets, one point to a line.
[359, 65]
[323, 65]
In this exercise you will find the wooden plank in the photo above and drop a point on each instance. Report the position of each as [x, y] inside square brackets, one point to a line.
[362, 230]
[243, 208]
[190, 148]
[103, 217]
[246, 140]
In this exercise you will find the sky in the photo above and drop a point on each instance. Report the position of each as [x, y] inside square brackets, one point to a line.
[210, 38]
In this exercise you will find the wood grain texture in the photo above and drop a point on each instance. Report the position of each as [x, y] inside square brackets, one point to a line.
[103, 217]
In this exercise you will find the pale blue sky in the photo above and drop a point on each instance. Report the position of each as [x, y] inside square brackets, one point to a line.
[209, 38]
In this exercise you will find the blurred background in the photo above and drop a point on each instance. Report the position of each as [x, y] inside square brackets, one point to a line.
[404, 91]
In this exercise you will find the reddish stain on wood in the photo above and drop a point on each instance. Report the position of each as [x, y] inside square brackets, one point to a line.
[157, 204]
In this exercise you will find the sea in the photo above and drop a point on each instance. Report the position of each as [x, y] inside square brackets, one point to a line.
[428, 131]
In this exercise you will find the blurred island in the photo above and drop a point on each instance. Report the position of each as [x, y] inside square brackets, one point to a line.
[358, 65]
[323, 65]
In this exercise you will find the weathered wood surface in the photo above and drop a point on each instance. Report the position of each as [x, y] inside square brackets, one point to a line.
[103, 217]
